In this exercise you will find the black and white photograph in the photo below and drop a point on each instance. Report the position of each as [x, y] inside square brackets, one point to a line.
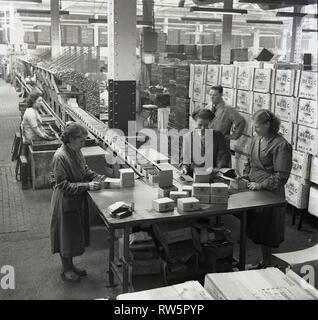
[158, 156]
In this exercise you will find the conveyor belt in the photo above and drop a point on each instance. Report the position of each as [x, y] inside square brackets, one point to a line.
[125, 151]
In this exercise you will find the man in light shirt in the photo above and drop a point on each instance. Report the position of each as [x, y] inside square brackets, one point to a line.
[226, 117]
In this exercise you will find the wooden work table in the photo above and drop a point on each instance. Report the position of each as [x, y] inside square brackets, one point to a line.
[143, 194]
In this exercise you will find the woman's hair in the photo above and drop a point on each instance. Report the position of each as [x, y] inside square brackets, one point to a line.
[205, 114]
[73, 130]
[32, 98]
[262, 116]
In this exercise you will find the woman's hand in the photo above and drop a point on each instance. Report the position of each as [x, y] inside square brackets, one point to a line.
[94, 186]
[254, 186]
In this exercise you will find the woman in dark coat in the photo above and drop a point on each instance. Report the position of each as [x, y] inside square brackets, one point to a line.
[270, 164]
[70, 220]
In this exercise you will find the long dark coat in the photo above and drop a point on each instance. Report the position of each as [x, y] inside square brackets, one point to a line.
[70, 217]
[270, 165]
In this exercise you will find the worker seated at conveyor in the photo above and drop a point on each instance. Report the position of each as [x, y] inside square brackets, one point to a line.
[204, 147]
[32, 122]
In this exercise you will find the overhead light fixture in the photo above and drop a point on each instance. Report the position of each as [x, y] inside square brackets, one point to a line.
[97, 21]
[219, 10]
[46, 12]
[265, 21]
[198, 19]
[277, 2]
[296, 15]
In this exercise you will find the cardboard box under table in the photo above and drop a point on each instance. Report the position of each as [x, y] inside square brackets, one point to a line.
[143, 194]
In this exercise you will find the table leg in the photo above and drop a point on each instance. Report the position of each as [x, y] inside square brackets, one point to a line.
[111, 256]
[126, 260]
[243, 241]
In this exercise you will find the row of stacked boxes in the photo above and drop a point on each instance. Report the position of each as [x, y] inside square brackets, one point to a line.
[290, 94]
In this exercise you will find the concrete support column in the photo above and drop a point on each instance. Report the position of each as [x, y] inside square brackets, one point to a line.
[122, 33]
[165, 25]
[256, 41]
[284, 41]
[55, 27]
[295, 51]
[197, 35]
[227, 34]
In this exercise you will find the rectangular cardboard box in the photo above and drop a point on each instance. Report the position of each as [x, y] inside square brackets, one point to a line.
[297, 192]
[308, 113]
[187, 189]
[229, 96]
[126, 174]
[165, 192]
[201, 177]
[264, 284]
[238, 163]
[244, 79]
[248, 130]
[228, 76]
[313, 201]
[127, 183]
[238, 184]
[163, 205]
[207, 95]
[188, 204]
[200, 73]
[307, 140]
[219, 199]
[308, 85]
[261, 101]
[111, 183]
[153, 178]
[203, 199]
[285, 108]
[314, 170]
[175, 195]
[301, 164]
[262, 80]
[284, 82]
[219, 189]
[165, 178]
[286, 129]
[198, 93]
[213, 74]
[201, 189]
[244, 101]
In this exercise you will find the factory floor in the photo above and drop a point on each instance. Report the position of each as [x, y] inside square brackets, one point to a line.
[25, 233]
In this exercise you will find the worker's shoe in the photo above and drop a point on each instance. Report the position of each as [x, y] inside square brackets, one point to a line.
[70, 276]
[79, 272]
